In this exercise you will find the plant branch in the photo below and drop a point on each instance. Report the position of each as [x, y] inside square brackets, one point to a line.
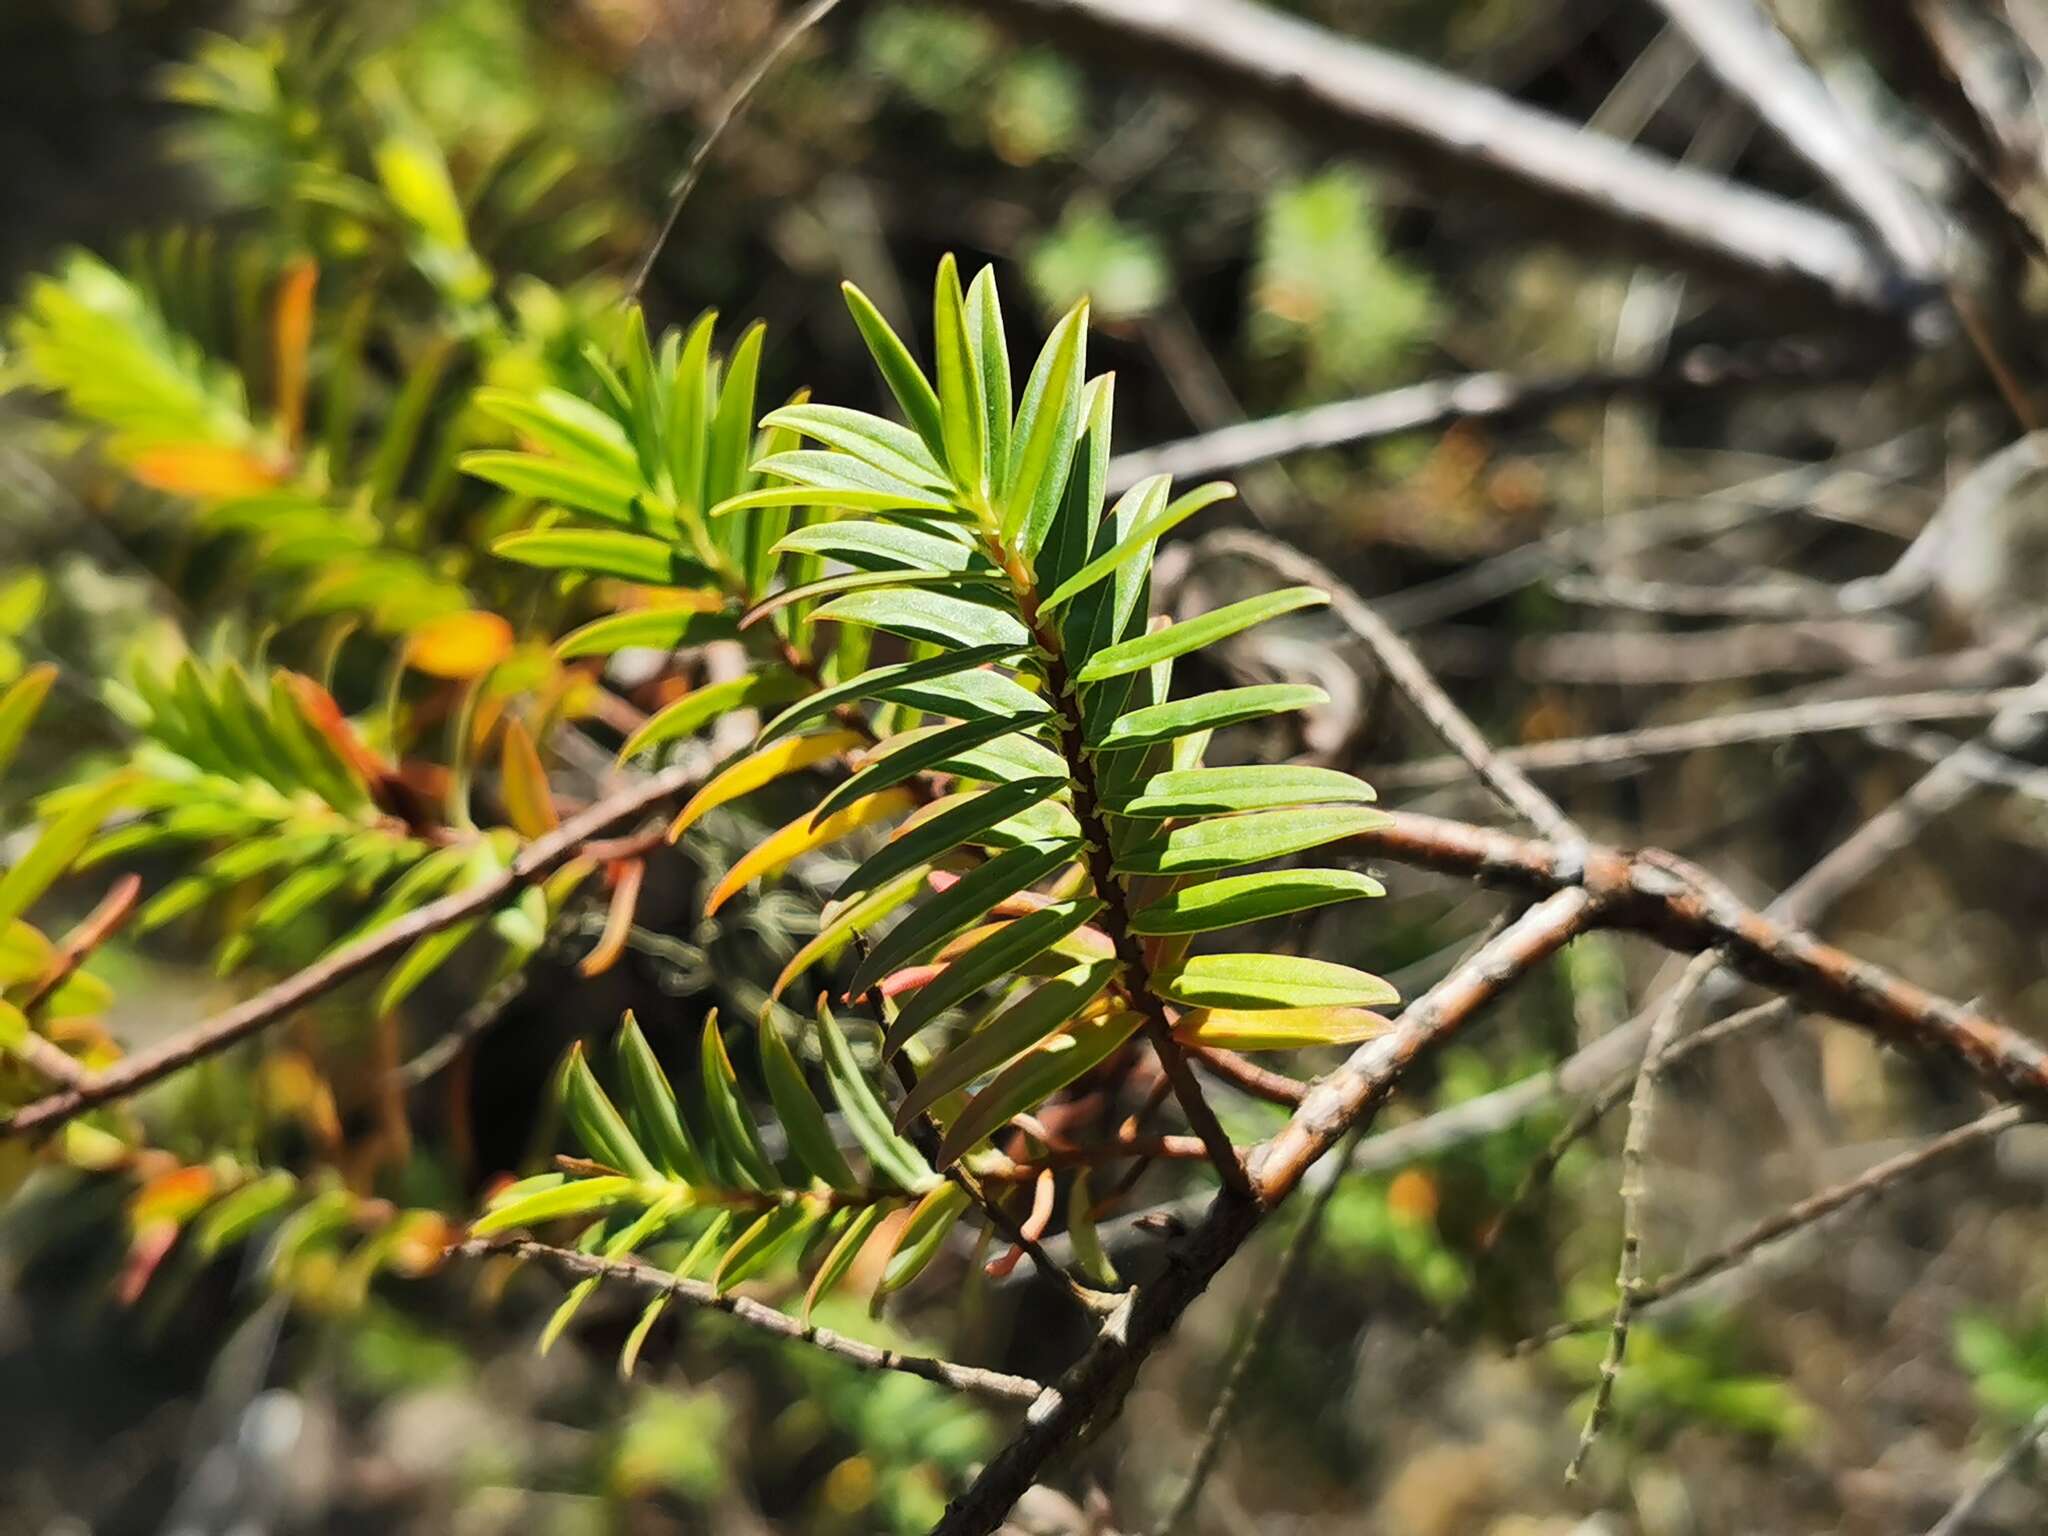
[998, 1385]
[1488, 396]
[1397, 659]
[1624, 749]
[1454, 133]
[1793, 1218]
[239, 1023]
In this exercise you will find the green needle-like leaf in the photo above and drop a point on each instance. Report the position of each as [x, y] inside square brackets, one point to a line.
[945, 916]
[899, 370]
[1197, 633]
[810, 1137]
[1157, 723]
[1249, 898]
[1271, 981]
[1028, 1082]
[1009, 1033]
[730, 1123]
[953, 622]
[893, 1158]
[901, 759]
[963, 405]
[872, 683]
[894, 450]
[1222, 842]
[1255, 787]
[603, 552]
[1000, 954]
[958, 824]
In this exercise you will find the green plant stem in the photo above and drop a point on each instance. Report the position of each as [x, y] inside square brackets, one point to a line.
[1115, 918]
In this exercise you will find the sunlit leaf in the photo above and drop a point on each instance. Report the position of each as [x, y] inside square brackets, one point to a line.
[899, 370]
[1270, 981]
[1249, 898]
[1197, 633]
[59, 844]
[1277, 1029]
[665, 627]
[604, 552]
[939, 618]
[700, 706]
[783, 847]
[999, 954]
[756, 769]
[1157, 723]
[1028, 1082]
[1222, 842]
[1255, 787]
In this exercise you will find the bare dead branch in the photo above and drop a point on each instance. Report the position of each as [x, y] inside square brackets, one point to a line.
[1626, 749]
[1407, 673]
[1455, 133]
[1881, 1179]
[1223, 1412]
[1634, 1190]
[997, 1385]
[1478, 397]
[1741, 45]
[2016, 1455]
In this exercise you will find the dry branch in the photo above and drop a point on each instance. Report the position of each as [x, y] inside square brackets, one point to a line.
[999, 1385]
[1627, 749]
[1742, 45]
[1453, 133]
[1477, 397]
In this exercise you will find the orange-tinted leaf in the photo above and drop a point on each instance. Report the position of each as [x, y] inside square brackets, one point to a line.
[203, 470]
[325, 716]
[174, 1197]
[759, 768]
[618, 920]
[782, 848]
[1277, 1029]
[528, 800]
[460, 645]
[291, 336]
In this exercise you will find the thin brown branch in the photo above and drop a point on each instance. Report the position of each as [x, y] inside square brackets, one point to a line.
[1625, 749]
[1490, 396]
[1223, 1412]
[1453, 133]
[729, 111]
[997, 1385]
[1741, 45]
[258, 1013]
[1957, 1520]
[1634, 1190]
[1405, 669]
[1247, 1076]
[1881, 1179]
[99, 925]
[1093, 1390]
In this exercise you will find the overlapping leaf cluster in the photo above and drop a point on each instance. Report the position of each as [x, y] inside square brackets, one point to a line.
[1059, 843]
[688, 1180]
